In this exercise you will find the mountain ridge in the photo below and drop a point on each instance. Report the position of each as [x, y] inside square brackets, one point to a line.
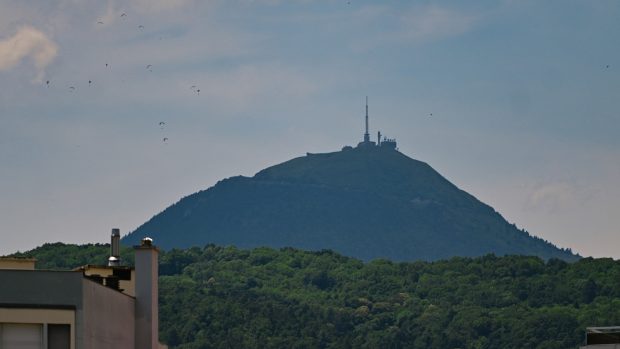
[367, 202]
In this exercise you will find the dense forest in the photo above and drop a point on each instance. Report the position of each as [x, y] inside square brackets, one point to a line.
[224, 297]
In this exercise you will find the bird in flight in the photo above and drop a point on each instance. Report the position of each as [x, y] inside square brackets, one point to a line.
[140, 26]
[165, 139]
[99, 22]
[90, 82]
[123, 15]
[71, 88]
[607, 66]
[162, 124]
[148, 67]
[47, 83]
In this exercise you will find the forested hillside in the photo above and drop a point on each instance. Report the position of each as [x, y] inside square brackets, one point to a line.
[367, 203]
[224, 297]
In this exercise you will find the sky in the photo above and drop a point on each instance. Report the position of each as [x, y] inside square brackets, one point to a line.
[110, 111]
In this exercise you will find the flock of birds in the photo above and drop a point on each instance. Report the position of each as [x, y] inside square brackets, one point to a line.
[149, 67]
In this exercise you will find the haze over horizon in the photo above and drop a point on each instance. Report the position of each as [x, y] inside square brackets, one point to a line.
[523, 97]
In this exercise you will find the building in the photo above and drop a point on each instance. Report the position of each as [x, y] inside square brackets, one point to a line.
[388, 143]
[602, 338]
[111, 306]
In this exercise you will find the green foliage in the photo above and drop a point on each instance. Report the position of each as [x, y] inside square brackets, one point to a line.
[265, 298]
[225, 297]
[60, 256]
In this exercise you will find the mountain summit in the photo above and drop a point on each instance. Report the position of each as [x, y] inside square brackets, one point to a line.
[367, 202]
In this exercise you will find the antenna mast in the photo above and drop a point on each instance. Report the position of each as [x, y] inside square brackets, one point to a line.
[366, 135]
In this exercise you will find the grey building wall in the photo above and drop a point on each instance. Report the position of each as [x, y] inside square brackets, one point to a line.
[108, 317]
[147, 307]
[44, 289]
[41, 287]
[104, 317]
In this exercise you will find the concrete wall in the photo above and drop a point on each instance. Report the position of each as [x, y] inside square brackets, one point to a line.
[104, 318]
[17, 263]
[28, 289]
[41, 287]
[108, 317]
[147, 293]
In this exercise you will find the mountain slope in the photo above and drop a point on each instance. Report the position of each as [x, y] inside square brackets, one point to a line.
[367, 202]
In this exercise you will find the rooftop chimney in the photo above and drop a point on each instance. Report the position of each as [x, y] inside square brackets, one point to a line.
[147, 311]
[115, 249]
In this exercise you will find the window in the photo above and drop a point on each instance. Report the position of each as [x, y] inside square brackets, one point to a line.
[31, 336]
[21, 336]
[58, 336]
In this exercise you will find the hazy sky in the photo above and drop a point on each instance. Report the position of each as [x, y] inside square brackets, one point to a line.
[525, 97]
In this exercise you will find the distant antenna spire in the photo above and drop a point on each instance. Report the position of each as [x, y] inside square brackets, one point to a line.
[366, 135]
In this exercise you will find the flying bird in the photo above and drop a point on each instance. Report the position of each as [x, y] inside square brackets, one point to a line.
[607, 66]
[162, 124]
[165, 139]
[90, 82]
[123, 15]
[148, 67]
[140, 26]
[47, 83]
[99, 22]
[431, 114]
[198, 91]
[71, 88]
[193, 87]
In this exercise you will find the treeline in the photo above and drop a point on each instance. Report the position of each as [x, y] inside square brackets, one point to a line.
[60, 256]
[224, 297]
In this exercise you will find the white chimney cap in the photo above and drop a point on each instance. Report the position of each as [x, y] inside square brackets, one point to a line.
[147, 241]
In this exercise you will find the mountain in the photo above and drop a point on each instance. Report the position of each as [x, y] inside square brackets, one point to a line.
[367, 202]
